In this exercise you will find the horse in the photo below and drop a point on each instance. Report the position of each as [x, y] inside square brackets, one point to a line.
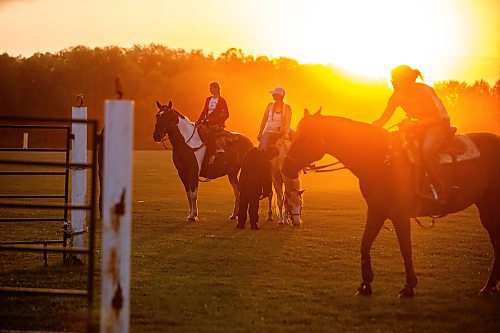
[189, 154]
[387, 185]
[288, 191]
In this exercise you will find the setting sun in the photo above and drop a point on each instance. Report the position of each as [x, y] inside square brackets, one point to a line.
[369, 38]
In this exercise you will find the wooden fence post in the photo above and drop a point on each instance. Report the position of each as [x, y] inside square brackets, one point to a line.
[117, 215]
[78, 180]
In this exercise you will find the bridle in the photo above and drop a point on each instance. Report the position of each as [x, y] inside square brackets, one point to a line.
[288, 208]
[195, 127]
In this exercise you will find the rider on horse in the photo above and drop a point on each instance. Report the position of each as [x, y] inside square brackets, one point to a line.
[421, 103]
[214, 114]
[276, 120]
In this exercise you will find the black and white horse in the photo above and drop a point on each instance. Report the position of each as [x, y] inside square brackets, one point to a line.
[189, 153]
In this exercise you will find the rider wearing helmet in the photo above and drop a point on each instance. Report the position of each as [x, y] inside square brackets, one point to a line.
[421, 103]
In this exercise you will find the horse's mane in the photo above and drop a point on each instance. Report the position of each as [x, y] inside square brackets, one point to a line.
[356, 130]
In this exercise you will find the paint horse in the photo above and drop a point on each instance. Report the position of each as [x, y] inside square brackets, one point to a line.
[387, 182]
[287, 190]
[189, 155]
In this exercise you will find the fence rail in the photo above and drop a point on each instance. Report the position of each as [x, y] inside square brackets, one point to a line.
[48, 246]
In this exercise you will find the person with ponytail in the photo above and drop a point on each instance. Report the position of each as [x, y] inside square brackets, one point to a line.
[421, 104]
[214, 115]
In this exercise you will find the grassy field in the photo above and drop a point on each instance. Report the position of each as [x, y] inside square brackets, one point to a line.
[211, 277]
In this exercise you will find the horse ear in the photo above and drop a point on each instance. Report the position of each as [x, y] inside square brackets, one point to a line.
[158, 105]
[169, 106]
[306, 112]
[318, 113]
[301, 191]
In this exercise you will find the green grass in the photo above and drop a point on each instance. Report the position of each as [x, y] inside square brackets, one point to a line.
[211, 277]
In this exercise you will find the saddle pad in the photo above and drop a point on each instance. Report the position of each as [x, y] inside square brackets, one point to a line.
[471, 151]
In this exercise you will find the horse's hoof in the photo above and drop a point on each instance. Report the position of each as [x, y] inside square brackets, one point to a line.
[193, 219]
[406, 292]
[365, 289]
[232, 217]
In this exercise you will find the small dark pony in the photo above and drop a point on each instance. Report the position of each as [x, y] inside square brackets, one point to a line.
[189, 155]
[389, 186]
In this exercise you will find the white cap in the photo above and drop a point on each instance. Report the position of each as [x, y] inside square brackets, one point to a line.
[278, 91]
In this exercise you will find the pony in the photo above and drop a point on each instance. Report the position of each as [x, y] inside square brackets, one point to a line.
[288, 191]
[387, 185]
[189, 155]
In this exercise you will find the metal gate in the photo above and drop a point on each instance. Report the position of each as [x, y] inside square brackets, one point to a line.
[28, 202]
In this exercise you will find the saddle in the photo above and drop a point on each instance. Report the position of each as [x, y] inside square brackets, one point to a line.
[221, 134]
[457, 149]
[220, 165]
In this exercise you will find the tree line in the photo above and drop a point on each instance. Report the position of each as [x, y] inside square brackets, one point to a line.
[46, 84]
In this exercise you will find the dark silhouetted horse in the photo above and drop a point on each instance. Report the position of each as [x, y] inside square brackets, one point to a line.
[387, 182]
[189, 155]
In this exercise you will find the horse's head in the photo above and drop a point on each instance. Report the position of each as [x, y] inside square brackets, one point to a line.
[166, 119]
[293, 200]
[307, 145]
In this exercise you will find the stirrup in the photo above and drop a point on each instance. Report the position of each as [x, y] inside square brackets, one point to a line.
[434, 193]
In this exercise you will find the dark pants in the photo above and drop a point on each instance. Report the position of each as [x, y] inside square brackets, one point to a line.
[434, 138]
[251, 203]
[214, 139]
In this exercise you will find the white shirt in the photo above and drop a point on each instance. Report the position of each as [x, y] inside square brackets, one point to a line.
[212, 104]
[275, 121]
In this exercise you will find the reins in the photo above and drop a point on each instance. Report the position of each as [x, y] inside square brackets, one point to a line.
[322, 168]
[202, 180]
[186, 142]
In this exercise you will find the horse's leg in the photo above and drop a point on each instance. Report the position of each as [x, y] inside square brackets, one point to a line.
[270, 208]
[278, 189]
[489, 213]
[403, 231]
[374, 222]
[188, 195]
[233, 179]
[192, 196]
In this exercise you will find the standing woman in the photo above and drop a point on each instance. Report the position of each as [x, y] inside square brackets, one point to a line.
[276, 120]
[421, 103]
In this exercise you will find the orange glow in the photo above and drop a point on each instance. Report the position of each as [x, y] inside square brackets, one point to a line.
[446, 39]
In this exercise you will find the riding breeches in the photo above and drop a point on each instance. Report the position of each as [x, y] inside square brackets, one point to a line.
[434, 138]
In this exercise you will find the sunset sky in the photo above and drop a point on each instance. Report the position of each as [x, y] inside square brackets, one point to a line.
[445, 39]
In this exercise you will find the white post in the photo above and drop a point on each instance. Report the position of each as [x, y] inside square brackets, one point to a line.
[25, 140]
[78, 179]
[117, 215]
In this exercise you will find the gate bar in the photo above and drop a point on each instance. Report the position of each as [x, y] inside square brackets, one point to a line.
[44, 291]
[31, 219]
[53, 249]
[47, 163]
